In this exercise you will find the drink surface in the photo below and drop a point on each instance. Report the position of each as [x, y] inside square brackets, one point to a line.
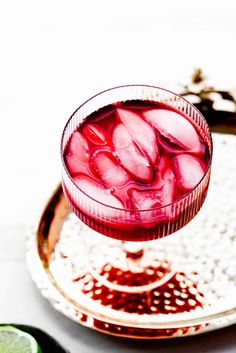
[138, 156]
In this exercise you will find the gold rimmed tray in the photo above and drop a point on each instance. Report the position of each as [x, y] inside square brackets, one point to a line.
[200, 295]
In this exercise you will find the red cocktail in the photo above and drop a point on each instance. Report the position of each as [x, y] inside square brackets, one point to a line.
[136, 167]
[136, 162]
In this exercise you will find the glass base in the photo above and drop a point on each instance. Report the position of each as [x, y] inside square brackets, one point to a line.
[180, 285]
[125, 267]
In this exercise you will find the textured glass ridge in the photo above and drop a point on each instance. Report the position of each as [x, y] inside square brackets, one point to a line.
[106, 219]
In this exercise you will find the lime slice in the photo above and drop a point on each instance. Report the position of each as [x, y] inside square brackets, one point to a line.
[13, 340]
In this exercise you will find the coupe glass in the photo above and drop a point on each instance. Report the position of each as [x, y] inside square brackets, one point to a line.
[129, 258]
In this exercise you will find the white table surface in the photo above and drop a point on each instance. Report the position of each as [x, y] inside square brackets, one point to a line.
[54, 54]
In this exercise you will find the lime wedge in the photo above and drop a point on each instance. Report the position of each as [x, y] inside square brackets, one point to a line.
[13, 340]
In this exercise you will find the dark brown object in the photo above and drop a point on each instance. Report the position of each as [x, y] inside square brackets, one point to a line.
[220, 120]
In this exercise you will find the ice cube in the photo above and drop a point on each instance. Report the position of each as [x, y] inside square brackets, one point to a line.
[95, 134]
[132, 159]
[154, 198]
[162, 167]
[155, 204]
[108, 168]
[188, 170]
[141, 132]
[145, 199]
[175, 127]
[168, 190]
[78, 148]
[73, 165]
[97, 191]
